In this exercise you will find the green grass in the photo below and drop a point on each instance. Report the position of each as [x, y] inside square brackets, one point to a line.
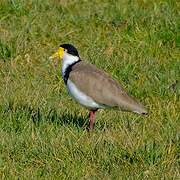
[42, 130]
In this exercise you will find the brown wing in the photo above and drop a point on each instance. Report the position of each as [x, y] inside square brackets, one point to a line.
[101, 87]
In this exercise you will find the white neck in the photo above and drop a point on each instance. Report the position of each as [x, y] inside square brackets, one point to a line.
[67, 60]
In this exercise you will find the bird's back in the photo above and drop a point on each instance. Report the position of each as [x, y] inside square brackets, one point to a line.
[102, 88]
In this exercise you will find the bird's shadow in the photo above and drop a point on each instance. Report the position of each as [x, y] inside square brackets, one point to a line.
[38, 116]
[66, 118]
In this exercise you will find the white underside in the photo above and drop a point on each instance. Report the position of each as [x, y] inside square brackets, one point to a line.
[81, 97]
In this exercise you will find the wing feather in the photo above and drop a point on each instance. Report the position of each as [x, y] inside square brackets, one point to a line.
[98, 85]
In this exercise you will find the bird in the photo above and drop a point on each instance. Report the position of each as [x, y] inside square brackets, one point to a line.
[91, 87]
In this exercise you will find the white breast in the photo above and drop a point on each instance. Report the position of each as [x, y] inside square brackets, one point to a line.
[81, 97]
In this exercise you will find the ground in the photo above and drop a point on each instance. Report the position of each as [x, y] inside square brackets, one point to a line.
[43, 131]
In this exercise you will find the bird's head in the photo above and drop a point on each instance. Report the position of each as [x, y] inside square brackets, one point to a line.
[66, 52]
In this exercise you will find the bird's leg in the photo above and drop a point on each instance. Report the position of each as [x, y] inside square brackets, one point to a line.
[91, 118]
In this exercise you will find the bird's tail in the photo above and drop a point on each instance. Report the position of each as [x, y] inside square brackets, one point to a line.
[130, 104]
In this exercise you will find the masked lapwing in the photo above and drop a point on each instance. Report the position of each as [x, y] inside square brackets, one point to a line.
[92, 87]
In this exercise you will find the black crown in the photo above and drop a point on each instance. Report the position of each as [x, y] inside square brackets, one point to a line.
[70, 49]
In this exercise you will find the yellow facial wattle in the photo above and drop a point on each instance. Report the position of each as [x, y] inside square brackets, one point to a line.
[59, 54]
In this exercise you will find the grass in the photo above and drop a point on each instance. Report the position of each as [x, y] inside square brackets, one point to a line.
[42, 130]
